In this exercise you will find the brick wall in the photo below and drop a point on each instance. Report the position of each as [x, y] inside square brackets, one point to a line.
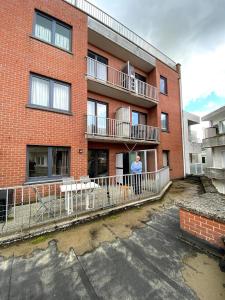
[21, 54]
[170, 103]
[202, 227]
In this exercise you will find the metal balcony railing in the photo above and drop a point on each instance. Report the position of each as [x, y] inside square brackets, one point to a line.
[196, 169]
[112, 76]
[27, 206]
[99, 15]
[105, 127]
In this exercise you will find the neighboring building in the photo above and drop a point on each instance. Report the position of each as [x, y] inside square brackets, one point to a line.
[214, 143]
[194, 158]
[82, 94]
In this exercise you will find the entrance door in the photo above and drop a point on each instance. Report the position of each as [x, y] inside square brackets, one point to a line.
[97, 163]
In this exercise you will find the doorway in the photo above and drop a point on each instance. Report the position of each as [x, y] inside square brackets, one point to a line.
[124, 161]
[98, 163]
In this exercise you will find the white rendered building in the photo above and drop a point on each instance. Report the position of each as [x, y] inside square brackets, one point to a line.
[192, 145]
[214, 144]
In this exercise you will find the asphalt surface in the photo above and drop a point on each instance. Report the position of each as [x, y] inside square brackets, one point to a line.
[145, 266]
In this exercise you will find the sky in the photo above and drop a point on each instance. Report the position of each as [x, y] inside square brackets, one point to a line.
[191, 32]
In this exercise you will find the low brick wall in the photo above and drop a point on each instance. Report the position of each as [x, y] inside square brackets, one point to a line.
[204, 228]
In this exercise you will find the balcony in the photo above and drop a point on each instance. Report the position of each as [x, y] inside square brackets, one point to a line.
[215, 141]
[196, 169]
[128, 38]
[117, 131]
[215, 173]
[105, 80]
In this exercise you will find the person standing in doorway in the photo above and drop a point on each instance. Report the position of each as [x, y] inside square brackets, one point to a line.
[136, 170]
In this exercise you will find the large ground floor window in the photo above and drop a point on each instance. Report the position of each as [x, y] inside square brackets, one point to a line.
[97, 163]
[47, 162]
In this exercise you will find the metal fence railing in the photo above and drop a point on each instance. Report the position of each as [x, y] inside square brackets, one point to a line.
[107, 20]
[23, 207]
[106, 127]
[196, 169]
[117, 78]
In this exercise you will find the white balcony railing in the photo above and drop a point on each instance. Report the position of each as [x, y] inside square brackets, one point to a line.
[196, 169]
[105, 127]
[26, 206]
[112, 76]
[121, 29]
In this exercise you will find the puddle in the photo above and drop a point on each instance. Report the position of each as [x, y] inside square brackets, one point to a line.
[203, 275]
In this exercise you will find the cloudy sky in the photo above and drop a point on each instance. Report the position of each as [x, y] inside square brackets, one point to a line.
[191, 32]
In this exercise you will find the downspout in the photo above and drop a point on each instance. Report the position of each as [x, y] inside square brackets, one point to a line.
[178, 67]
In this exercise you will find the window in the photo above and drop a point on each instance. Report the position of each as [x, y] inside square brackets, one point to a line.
[138, 131]
[46, 92]
[97, 66]
[222, 127]
[52, 31]
[163, 85]
[164, 122]
[97, 117]
[165, 154]
[203, 159]
[47, 162]
[97, 163]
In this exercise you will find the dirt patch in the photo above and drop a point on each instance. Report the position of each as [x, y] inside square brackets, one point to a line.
[84, 238]
[203, 275]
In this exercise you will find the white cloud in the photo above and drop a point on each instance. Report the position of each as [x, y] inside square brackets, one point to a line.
[203, 74]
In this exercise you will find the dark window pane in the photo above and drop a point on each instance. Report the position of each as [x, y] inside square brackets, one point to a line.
[43, 28]
[60, 162]
[38, 161]
[163, 85]
[63, 37]
[97, 163]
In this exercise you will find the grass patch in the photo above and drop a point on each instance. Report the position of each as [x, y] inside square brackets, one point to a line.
[112, 217]
[41, 239]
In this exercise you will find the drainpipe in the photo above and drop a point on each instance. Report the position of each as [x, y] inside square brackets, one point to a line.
[178, 67]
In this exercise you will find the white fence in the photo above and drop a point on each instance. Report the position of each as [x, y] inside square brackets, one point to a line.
[23, 207]
[117, 78]
[119, 28]
[113, 128]
[196, 169]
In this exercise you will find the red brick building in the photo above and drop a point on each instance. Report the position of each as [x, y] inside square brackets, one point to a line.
[79, 96]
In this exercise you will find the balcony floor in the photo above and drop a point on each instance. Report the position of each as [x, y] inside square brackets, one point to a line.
[115, 92]
[105, 139]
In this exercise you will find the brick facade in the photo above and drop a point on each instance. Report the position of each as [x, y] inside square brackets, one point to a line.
[204, 228]
[20, 126]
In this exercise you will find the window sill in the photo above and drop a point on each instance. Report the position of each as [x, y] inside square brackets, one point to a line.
[40, 40]
[165, 131]
[42, 181]
[49, 109]
[165, 94]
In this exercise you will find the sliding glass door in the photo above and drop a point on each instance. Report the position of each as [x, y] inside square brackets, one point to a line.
[97, 163]
[97, 117]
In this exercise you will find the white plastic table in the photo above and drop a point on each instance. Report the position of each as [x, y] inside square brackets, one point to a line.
[69, 189]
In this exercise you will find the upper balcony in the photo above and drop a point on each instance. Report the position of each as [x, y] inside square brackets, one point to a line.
[108, 81]
[213, 138]
[117, 131]
[114, 37]
[215, 173]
